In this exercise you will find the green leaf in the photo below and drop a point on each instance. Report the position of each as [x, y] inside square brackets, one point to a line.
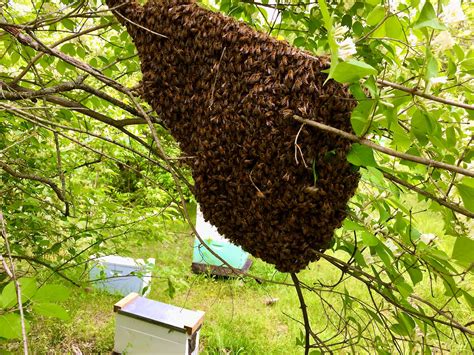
[61, 67]
[50, 310]
[299, 42]
[421, 126]
[369, 239]
[393, 28]
[27, 286]
[415, 274]
[469, 299]
[374, 175]
[428, 18]
[404, 288]
[352, 70]
[383, 255]
[171, 289]
[68, 48]
[463, 250]
[431, 67]
[360, 116]
[68, 23]
[357, 28]
[450, 136]
[407, 321]
[10, 326]
[361, 155]
[375, 16]
[466, 191]
[401, 140]
[51, 293]
[352, 226]
[468, 64]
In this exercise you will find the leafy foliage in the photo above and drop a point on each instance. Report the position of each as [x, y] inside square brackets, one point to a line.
[408, 240]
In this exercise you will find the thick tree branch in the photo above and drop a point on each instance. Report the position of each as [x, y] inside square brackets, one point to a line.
[15, 93]
[21, 93]
[388, 151]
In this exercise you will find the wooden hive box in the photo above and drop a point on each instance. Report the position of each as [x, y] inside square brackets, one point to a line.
[144, 326]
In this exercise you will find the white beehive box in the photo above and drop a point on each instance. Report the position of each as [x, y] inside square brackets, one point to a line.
[121, 275]
[145, 326]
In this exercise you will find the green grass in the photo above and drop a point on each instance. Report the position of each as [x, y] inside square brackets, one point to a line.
[237, 321]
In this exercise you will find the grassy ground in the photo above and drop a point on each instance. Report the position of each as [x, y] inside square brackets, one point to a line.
[238, 318]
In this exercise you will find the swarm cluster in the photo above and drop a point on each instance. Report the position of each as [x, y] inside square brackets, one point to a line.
[228, 94]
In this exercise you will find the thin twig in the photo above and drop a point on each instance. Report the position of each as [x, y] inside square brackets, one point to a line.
[460, 160]
[61, 173]
[12, 274]
[138, 25]
[439, 200]
[417, 92]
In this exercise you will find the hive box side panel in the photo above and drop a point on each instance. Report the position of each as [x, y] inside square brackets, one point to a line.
[118, 278]
[231, 253]
[133, 336]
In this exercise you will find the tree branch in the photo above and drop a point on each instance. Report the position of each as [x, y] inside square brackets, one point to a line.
[12, 274]
[20, 93]
[61, 173]
[388, 151]
[61, 41]
[45, 264]
[43, 180]
[307, 324]
[417, 92]
[440, 200]
[118, 103]
[43, 123]
[23, 93]
[368, 279]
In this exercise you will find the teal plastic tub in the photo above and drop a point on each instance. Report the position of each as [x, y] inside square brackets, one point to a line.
[234, 255]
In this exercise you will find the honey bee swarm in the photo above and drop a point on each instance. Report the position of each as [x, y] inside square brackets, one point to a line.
[228, 95]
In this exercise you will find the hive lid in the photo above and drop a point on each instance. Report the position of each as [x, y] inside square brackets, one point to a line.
[124, 261]
[163, 314]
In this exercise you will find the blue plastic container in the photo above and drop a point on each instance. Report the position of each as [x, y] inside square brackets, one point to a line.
[231, 253]
[234, 255]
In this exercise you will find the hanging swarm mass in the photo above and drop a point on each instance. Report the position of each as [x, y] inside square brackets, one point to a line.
[228, 94]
